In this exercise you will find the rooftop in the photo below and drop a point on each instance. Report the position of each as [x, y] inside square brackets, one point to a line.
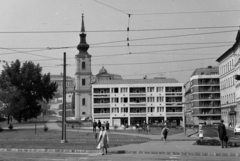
[206, 71]
[137, 81]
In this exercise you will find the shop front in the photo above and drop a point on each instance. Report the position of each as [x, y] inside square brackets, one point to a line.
[155, 120]
[175, 121]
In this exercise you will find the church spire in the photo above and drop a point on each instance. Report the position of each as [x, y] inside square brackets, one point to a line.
[83, 27]
[83, 46]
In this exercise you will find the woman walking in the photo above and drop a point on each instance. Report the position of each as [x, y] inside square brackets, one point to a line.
[164, 133]
[103, 140]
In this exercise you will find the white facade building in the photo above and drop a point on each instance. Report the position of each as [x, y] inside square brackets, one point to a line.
[135, 101]
[228, 84]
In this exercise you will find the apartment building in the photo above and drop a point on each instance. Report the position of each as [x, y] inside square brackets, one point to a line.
[135, 101]
[205, 96]
[228, 66]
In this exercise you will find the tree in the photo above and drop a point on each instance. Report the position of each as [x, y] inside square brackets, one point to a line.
[31, 87]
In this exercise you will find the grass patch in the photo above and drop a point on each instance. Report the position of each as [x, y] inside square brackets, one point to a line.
[26, 138]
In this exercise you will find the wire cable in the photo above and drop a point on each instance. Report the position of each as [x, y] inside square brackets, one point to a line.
[190, 12]
[28, 53]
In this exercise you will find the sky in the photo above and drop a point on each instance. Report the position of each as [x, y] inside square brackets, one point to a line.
[167, 38]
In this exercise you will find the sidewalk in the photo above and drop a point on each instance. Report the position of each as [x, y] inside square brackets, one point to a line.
[177, 148]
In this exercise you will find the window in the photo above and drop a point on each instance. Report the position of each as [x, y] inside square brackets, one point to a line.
[83, 82]
[160, 99]
[160, 109]
[159, 89]
[124, 100]
[115, 100]
[83, 101]
[83, 65]
[83, 113]
[115, 110]
[114, 90]
[124, 110]
[151, 99]
[124, 90]
[151, 109]
[150, 89]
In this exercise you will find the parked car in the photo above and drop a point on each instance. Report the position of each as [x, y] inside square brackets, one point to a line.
[237, 129]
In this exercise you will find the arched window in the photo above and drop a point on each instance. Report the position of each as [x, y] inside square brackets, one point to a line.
[83, 101]
[83, 65]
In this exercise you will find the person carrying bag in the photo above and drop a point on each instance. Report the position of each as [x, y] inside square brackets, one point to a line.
[103, 140]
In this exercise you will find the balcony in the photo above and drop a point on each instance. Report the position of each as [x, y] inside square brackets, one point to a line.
[174, 103]
[174, 113]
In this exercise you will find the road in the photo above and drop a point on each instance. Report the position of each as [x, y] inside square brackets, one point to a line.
[23, 156]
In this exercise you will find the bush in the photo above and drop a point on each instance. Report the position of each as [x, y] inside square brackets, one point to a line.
[10, 126]
[214, 142]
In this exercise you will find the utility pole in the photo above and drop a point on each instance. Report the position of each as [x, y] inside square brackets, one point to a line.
[64, 101]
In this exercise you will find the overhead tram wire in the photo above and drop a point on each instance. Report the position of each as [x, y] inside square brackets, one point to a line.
[29, 53]
[174, 71]
[158, 51]
[134, 30]
[190, 12]
[147, 52]
[164, 37]
[160, 62]
[118, 41]
[111, 7]
[161, 44]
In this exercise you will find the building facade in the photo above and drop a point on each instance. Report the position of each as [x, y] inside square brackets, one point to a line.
[135, 101]
[228, 67]
[59, 80]
[204, 96]
[104, 75]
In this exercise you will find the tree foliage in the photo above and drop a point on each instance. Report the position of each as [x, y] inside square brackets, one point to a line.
[23, 87]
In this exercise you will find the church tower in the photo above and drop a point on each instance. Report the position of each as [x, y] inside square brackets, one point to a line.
[83, 73]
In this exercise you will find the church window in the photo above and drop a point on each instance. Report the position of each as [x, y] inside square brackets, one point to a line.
[83, 65]
[83, 101]
[83, 82]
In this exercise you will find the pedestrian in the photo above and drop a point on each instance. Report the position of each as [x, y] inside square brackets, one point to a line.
[164, 133]
[99, 125]
[103, 140]
[94, 126]
[148, 128]
[107, 126]
[222, 133]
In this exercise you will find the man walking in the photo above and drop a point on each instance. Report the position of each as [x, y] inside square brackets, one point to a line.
[94, 126]
[164, 133]
[222, 133]
[107, 126]
[99, 125]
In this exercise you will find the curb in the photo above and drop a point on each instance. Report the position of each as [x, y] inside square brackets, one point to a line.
[120, 152]
[49, 150]
[192, 134]
[175, 153]
[127, 140]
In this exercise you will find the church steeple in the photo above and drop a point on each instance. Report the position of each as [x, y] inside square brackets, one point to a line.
[83, 46]
[83, 27]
